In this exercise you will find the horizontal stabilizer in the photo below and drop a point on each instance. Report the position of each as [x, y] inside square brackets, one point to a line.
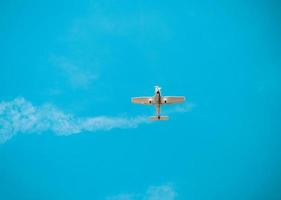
[155, 118]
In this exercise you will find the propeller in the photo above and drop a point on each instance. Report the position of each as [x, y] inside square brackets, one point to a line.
[157, 88]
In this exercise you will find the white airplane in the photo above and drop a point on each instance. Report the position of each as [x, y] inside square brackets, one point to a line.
[157, 100]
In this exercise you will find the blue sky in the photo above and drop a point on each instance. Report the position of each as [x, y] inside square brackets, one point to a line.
[69, 131]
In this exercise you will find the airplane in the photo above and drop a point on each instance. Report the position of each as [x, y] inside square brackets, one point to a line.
[157, 100]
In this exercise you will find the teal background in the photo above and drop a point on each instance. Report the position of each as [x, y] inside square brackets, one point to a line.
[224, 56]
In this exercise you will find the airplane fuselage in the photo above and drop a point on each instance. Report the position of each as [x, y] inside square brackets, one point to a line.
[157, 99]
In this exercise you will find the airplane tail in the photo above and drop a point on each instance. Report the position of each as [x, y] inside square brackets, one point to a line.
[155, 118]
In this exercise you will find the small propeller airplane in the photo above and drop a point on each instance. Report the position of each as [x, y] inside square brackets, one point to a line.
[157, 100]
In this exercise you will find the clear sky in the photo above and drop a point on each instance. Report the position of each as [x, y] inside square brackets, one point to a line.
[69, 131]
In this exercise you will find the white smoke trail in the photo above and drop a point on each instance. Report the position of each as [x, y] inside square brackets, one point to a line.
[20, 116]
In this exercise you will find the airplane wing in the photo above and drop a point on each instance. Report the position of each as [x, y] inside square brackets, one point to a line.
[143, 100]
[171, 99]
